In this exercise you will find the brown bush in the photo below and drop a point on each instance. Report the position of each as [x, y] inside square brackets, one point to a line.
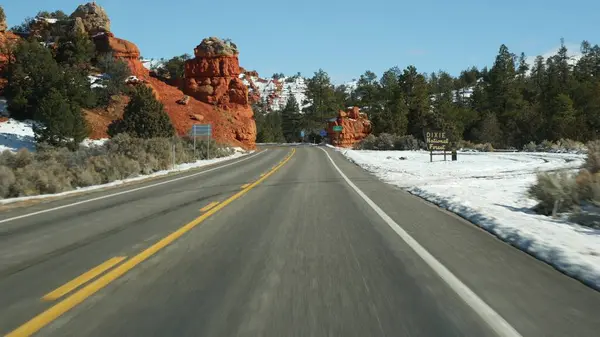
[592, 162]
[7, 180]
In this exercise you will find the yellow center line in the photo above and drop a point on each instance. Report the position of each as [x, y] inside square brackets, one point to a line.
[83, 278]
[245, 185]
[46, 317]
[209, 206]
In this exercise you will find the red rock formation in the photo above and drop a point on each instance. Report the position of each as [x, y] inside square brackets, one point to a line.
[123, 49]
[213, 77]
[7, 40]
[231, 120]
[356, 126]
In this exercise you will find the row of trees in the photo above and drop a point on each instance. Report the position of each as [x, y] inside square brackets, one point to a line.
[508, 105]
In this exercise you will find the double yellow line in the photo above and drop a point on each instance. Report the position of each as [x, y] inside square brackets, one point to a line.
[46, 317]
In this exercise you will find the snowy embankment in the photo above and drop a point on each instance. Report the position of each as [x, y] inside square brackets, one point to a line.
[178, 168]
[489, 189]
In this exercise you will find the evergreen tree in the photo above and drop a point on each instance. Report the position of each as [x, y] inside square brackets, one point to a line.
[116, 72]
[60, 122]
[290, 119]
[392, 116]
[173, 68]
[144, 117]
[30, 77]
[415, 91]
[322, 102]
[75, 49]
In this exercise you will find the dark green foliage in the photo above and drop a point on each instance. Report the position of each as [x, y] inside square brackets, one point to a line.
[322, 101]
[61, 123]
[144, 117]
[23, 27]
[116, 72]
[30, 77]
[270, 128]
[173, 68]
[291, 119]
[34, 73]
[75, 49]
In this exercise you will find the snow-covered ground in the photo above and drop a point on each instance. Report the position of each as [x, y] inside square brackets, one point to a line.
[489, 189]
[15, 135]
[178, 168]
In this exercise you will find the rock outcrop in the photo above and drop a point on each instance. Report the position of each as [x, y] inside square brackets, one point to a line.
[122, 49]
[93, 18]
[7, 40]
[355, 127]
[213, 77]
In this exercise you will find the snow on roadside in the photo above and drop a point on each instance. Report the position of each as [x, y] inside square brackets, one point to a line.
[178, 168]
[489, 189]
[15, 135]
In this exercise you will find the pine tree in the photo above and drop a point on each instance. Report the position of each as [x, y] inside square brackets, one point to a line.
[75, 49]
[144, 117]
[290, 119]
[116, 72]
[30, 77]
[322, 102]
[391, 117]
[415, 91]
[60, 123]
[505, 96]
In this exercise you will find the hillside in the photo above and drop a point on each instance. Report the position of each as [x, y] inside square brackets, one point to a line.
[228, 110]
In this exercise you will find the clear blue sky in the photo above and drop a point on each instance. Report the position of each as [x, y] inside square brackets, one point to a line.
[345, 37]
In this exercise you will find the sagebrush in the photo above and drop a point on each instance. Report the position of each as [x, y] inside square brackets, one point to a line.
[55, 170]
[565, 191]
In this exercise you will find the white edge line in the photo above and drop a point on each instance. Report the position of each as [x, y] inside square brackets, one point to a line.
[128, 191]
[491, 317]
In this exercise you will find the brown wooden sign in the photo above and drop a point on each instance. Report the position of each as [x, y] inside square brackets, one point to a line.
[436, 140]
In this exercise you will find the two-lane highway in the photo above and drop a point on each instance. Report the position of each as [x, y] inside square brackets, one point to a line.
[288, 242]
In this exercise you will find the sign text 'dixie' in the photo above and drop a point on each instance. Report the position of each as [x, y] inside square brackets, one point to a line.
[436, 140]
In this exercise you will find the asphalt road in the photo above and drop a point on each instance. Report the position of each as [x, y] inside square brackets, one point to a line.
[289, 248]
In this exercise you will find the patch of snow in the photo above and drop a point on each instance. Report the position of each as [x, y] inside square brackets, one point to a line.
[489, 189]
[15, 135]
[94, 142]
[150, 63]
[50, 20]
[96, 80]
[267, 87]
[178, 168]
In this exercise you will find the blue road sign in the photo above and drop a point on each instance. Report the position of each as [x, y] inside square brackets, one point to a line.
[302, 133]
[323, 133]
[201, 130]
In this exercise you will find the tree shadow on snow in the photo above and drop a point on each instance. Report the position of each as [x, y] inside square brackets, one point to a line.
[15, 142]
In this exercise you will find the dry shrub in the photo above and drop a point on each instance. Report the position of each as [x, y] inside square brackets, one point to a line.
[555, 192]
[592, 162]
[7, 180]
